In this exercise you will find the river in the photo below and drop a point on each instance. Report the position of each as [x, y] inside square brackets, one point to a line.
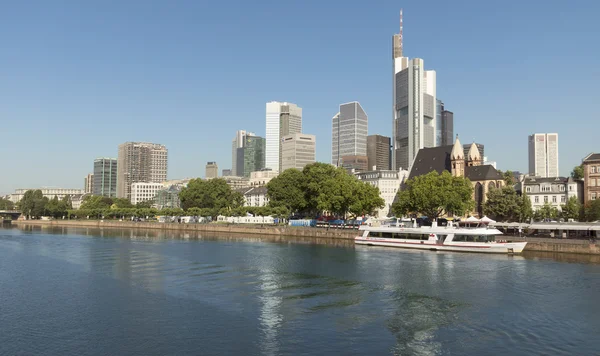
[80, 291]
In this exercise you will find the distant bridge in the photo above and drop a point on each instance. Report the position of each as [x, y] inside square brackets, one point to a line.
[14, 214]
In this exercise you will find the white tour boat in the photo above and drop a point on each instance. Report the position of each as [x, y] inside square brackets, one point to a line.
[438, 238]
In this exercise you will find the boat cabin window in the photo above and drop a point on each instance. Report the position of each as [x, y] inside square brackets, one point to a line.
[398, 235]
[474, 238]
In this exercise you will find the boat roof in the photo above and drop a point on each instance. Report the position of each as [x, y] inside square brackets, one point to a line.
[434, 230]
[584, 226]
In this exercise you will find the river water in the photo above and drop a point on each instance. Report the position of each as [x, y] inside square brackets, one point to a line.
[77, 291]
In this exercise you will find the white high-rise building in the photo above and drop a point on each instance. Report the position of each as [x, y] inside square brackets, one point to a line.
[414, 106]
[238, 142]
[282, 119]
[349, 132]
[543, 155]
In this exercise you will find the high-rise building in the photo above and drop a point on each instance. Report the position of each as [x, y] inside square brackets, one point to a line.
[467, 148]
[444, 125]
[251, 156]
[543, 155]
[140, 162]
[349, 131]
[378, 152]
[237, 142]
[297, 151]
[226, 172]
[105, 177]
[88, 183]
[414, 106]
[212, 170]
[282, 119]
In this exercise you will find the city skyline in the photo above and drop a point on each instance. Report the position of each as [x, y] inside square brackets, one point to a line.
[138, 98]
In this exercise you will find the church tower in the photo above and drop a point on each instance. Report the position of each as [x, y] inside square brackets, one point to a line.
[457, 159]
[474, 157]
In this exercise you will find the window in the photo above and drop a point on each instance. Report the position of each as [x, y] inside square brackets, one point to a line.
[562, 188]
[592, 169]
[545, 199]
[537, 199]
[562, 199]
[592, 182]
[593, 196]
[528, 189]
[554, 198]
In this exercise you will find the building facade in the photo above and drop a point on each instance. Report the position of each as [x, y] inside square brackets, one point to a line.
[168, 197]
[297, 151]
[447, 129]
[88, 183]
[251, 156]
[212, 170]
[144, 191]
[388, 183]
[140, 162]
[254, 196]
[49, 193]
[262, 177]
[378, 152]
[543, 155]
[227, 172]
[105, 177]
[237, 142]
[282, 119]
[555, 191]
[414, 105]
[349, 132]
[236, 182]
[591, 177]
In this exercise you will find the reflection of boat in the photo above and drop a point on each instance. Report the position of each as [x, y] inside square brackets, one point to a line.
[478, 238]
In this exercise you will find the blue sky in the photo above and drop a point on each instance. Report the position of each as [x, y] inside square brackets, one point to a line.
[79, 77]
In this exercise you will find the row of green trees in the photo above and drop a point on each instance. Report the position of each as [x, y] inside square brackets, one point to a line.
[321, 187]
[35, 205]
[6, 204]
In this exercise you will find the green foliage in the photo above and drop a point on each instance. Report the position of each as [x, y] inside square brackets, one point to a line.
[145, 204]
[33, 203]
[577, 172]
[321, 187]
[433, 194]
[571, 210]
[592, 210]
[526, 211]
[56, 208]
[509, 178]
[6, 204]
[91, 202]
[123, 203]
[547, 211]
[213, 194]
[67, 202]
[503, 204]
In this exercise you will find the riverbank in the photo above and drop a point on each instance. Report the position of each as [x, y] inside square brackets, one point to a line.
[533, 243]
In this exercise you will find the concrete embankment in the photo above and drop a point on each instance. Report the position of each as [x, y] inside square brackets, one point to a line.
[533, 243]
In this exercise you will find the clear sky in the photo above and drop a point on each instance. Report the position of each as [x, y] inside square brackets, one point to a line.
[79, 77]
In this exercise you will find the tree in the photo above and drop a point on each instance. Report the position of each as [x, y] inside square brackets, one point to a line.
[214, 194]
[56, 208]
[287, 190]
[365, 199]
[122, 203]
[577, 172]
[433, 194]
[571, 209]
[91, 202]
[526, 210]
[592, 210]
[509, 178]
[6, 204]
[547, 211]
[33, 203]
[67, 202]
[144, 204]
[503, 204]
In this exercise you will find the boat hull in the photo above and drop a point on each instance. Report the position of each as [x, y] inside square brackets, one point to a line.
[495, 247]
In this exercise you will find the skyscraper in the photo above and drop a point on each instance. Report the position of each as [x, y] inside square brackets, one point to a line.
[378, 152]
[105, 177]
[212, 170]
[447, 131]
[237, 142]
[140, 162]
[480, 148]
[297, 151]
[349, 131]
[543, 155]
[282, 119]
[414, 105]
[251, 156]
[88, 184]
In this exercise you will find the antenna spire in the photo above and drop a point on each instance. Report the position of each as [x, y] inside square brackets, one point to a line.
[401, 28]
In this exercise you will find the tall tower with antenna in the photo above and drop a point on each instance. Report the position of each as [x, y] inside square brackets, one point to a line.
[414, 104]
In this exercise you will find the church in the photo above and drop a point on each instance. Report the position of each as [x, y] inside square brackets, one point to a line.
[452, 158]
